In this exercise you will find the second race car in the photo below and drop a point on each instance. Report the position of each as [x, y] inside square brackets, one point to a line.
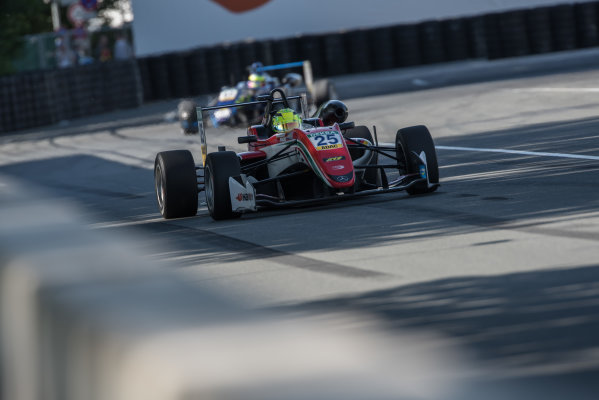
[259, 83]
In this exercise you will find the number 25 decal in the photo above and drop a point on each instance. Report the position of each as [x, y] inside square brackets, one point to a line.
[326, 140]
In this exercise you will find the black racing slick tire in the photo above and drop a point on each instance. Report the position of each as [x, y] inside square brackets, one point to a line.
[176, 184]
[220, 166]
[324, 91]
[362, 132]
[411, 141]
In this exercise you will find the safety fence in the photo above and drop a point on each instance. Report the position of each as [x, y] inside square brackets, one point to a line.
[489, 36]
[47, 97]
[205, 70]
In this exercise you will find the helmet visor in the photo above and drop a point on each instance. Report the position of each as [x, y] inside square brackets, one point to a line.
[256, 81]
[287, 126]
[285, 120]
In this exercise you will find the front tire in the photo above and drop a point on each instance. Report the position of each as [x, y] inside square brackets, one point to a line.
[176, 184]
[220, 166]
[417, 139]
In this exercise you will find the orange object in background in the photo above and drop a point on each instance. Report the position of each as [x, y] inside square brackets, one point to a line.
[240, 6]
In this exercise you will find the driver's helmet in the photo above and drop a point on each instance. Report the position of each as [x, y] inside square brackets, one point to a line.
[256, 80]
[285, 120]
[255, 67]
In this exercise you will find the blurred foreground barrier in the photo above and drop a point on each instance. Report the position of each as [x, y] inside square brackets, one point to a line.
[83, 317]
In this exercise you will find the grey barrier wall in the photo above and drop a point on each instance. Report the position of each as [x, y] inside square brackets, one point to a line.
[83, 316]
[490, 36]
[47, 97]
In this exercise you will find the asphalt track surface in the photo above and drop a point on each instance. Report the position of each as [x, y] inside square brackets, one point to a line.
[503, 260]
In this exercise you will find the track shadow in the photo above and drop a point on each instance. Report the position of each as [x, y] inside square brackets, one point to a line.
[106, 190]
[534, 332]
[573, 136]
[480, 191]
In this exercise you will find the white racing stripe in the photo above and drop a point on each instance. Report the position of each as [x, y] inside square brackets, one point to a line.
[553, 90]
[520, 152]
[506, 151]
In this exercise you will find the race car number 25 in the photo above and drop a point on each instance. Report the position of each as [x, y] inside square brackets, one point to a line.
[326, 140]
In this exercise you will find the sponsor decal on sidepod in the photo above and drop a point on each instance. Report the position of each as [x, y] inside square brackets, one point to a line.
[331, 159]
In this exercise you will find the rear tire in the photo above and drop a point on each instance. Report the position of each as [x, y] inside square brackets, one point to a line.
[416, 139]
[362, 132]
[220, 166]
[176, 184]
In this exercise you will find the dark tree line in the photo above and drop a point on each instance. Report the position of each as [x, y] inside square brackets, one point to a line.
[25, 17]
[19, 18]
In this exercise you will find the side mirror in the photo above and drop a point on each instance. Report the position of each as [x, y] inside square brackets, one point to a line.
[247, 139]
[347, 125]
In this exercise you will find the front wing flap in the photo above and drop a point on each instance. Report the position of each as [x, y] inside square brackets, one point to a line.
[268, 201]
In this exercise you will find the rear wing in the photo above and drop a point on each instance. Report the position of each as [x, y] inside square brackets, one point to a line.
[200, 110]
[307, 68]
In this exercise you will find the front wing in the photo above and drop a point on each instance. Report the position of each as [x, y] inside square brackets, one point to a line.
[245, 199]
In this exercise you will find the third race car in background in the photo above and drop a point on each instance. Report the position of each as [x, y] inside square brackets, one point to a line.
[259, 83]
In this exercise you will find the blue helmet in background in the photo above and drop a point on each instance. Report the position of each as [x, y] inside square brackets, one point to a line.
[255, 67]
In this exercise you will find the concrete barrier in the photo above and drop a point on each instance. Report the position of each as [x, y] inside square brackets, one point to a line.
[84, 317]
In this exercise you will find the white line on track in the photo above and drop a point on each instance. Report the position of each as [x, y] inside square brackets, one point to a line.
[519, 152]
[553, 90]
